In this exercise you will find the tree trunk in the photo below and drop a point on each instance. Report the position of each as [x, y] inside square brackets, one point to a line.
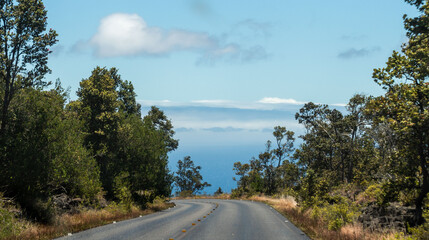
[424, 190]
[5, 107]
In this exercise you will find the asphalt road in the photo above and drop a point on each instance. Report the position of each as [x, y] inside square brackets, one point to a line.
[201, 219]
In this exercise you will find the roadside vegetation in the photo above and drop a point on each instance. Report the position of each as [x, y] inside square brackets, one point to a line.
[71, 223]
[360, 172]
[69, 165]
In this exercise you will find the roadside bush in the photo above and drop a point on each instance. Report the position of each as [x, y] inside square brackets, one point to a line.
[422, 232]
[336, 215]
[9, 224]
[143, 197]
[186, 193]
[122, 190]
[41, 210]
[374, 193]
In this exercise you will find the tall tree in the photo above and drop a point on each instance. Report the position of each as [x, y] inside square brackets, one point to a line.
[97, 107]
[24, 49]
[405, 105]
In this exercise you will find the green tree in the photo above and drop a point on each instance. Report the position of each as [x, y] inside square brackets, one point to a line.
[241, 170]
[323, 146]
[126, 147]
[218, 192]
[160, 122]
[127, 99]
[163, 137]
[284, 142]
[24, 50]
[337, 148]
[188, 177]
[405, 105]
[97, 107]
[45, 154]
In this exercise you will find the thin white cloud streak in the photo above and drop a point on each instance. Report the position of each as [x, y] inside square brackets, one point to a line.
[357, 53]
[257, 115]
[267, 103]
[247, 125]
[275, 100]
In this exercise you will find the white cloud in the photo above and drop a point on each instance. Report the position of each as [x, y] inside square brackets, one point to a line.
[275, 100]
[122, 34]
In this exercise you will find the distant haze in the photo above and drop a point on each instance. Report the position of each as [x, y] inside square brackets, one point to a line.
[216, 137]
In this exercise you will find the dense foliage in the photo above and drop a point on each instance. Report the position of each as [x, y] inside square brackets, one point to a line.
[94, 146]
[93, 149]
[376, 150]
[97, 146]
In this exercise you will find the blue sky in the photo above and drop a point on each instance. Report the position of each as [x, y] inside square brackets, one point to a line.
[226, 72]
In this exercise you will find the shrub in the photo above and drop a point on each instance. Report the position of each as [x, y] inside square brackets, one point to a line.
[9, 224]
[186, 193]
[122, 190]
[374, 193]
[336, 215]
[422, 232]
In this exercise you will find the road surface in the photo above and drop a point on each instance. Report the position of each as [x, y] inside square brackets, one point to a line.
[201, 219]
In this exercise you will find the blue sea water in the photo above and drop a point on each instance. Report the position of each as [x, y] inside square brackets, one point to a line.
[216, 162]
[216, 138]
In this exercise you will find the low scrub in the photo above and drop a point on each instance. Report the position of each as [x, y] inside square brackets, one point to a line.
[70, 223]
[334, 222]
[10, 224]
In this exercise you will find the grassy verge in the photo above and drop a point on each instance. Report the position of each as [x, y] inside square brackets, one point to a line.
[315, 228]
[85, 220]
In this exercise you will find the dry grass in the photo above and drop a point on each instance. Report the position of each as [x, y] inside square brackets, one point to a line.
[316, 228]
[85, 220]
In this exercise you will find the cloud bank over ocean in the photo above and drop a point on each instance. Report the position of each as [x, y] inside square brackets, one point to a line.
[217, 133]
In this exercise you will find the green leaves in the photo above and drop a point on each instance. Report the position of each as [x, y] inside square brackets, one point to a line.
[188, 177]
[119, 139]
[405, 105]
